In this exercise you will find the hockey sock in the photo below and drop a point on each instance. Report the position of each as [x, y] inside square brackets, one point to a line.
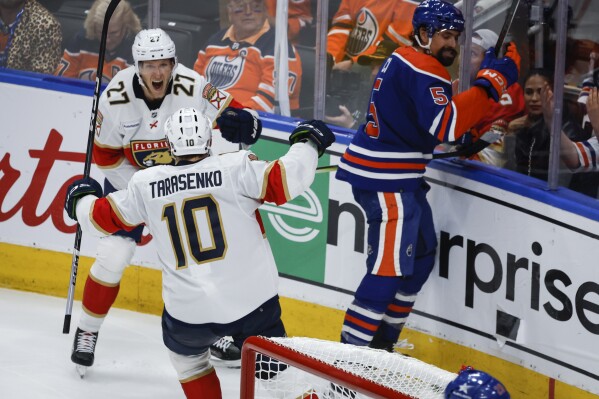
[366, 312]
[360, 324]
[98, 298]
[396, 315]
[206, 386]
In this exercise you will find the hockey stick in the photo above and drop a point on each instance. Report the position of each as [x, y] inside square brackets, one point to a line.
[482, 144]
[88, 160]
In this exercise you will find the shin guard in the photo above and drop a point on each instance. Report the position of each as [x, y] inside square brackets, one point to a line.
[204, 386]
[98, 297]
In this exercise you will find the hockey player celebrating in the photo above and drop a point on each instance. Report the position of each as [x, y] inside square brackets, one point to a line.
[129, 136]
[411, 111]
[219, 274]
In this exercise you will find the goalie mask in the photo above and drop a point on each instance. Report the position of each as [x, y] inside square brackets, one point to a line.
[475, 384]
[153, 44]
[188, 132]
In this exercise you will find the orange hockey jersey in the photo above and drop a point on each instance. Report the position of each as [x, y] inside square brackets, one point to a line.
[246, 69]
[299, 15]
[358, 25]
[80, 59]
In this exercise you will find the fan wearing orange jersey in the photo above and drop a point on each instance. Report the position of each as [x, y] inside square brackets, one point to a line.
[359, 25]
[299, 16]
[80, 57]
[240, 59]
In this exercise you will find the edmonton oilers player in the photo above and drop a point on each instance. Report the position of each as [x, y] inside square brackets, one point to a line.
[411, 110]
[475, 384]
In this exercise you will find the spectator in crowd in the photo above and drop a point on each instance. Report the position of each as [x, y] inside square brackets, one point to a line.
[383, 50]
[586, 98]
[509, 107]
[299, 16]
[587, 151]
[240, 58]
[580, 156]
[358, 27]
[80, 57]
[530, 133]
[30, 37]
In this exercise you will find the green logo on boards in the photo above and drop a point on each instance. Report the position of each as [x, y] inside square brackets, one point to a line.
[297, 230]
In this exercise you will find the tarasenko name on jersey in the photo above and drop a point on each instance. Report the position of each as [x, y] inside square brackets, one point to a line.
[186, 181]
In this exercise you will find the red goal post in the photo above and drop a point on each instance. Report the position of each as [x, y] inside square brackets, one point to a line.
[315, 364]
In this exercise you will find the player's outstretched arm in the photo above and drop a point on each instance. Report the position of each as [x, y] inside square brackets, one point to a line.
[315, 131]
[497, 74]
[77, 190]
[294, 172]
[240, 125]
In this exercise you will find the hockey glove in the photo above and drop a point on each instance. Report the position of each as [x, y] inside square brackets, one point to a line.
[315, 131]
[240, 125]
[496, 75]
[77, 190]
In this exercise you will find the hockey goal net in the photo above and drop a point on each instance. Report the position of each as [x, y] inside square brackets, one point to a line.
[309, 368]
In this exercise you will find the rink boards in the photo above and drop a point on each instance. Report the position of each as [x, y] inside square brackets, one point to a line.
[515, 288]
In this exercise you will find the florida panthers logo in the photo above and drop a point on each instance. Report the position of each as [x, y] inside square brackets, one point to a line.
[364, 33]
[224, 71]
[158, 158]
[150, 153]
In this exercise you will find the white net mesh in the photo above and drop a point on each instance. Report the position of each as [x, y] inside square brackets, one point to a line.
[402, 374]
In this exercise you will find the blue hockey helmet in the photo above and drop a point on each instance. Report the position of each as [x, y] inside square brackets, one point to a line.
[475, 384]
[437, 15]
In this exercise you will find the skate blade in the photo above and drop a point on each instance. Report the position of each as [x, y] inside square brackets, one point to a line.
[230, 364]
[81, 370]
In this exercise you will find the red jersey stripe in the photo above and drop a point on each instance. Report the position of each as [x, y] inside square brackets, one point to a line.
[384, 165]
[583, 152]
[387, 267]
[276, 187]
[105, 219]
[361, 323]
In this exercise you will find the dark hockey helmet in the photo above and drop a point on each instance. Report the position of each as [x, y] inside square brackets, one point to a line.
[475, 384]
[437, 15]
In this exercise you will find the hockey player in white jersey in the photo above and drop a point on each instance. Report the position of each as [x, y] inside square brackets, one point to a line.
[219, 274]
[129, 136]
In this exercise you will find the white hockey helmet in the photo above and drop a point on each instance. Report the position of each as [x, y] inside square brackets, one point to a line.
[188, 132]
[153, 44]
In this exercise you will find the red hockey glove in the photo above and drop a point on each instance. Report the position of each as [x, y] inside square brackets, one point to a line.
[496, 75]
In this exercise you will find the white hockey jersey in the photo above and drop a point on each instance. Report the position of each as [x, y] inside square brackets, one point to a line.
[130, 131]
[217, 265]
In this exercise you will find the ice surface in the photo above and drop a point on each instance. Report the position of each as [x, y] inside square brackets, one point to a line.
[131, 360]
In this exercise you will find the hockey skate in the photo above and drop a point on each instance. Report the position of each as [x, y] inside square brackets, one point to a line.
[84, 346]
[224, 352]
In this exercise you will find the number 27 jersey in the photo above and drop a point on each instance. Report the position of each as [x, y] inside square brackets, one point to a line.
[130, 131]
